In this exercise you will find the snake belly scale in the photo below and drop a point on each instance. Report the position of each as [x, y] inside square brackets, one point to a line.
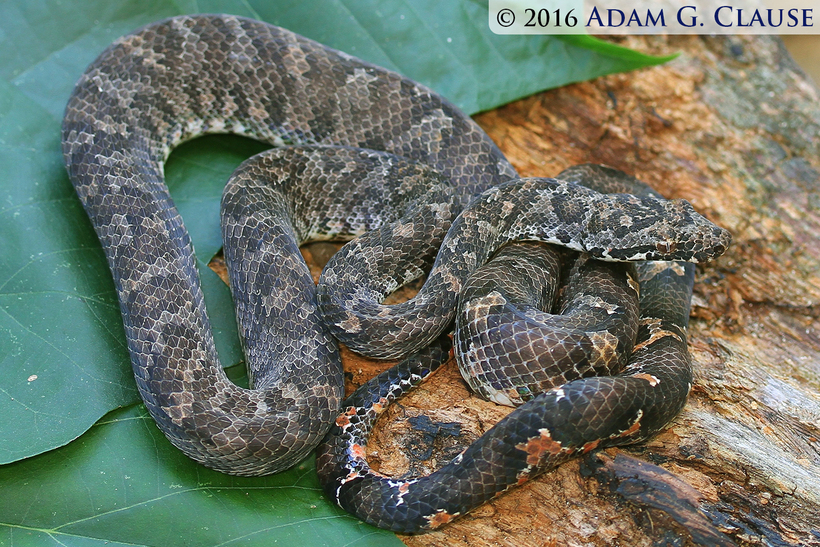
[188, 76]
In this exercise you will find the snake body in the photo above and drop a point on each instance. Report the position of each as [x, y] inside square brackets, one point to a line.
[557, 425]
[612, 227]
[571, 418]
[510, 348]
[188, 76]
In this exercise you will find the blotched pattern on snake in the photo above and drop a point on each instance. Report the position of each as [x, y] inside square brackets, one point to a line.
[188, 76]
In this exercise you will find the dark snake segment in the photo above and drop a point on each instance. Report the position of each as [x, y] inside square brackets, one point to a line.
[613, 227]
[188, 76]
[511, 348]
[561, 423]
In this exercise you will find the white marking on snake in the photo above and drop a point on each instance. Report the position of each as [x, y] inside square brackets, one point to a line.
[633, 285]
[656, 332]
[595, 301]
[651, 378]
[605, 343]
[351, 324]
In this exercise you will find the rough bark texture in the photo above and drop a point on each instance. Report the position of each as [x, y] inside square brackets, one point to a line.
[733, 126]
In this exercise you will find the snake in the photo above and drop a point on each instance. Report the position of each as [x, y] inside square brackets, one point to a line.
[188, 76]
[510, 346]
[193, 75]
[569, 411]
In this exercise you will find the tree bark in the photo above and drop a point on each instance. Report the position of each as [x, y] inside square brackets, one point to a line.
[733, 126]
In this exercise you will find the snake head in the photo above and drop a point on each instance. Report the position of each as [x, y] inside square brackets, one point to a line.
[629, 228]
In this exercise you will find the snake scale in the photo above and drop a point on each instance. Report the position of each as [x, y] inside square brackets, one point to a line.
[192, 75]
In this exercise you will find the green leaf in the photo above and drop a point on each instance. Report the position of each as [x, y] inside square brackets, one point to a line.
[60, 330]
[123, 483]
[608, 49]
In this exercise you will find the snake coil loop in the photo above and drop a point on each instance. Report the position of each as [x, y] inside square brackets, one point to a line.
[192, 75]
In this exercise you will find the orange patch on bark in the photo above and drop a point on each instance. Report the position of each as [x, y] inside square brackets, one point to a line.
[357, 451]
[592, 445]
[537, 447]
[344, 419]
[653, 381]
[634, 428]
[440, 518]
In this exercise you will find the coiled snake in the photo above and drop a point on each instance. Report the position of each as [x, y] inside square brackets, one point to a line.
[189, 76]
